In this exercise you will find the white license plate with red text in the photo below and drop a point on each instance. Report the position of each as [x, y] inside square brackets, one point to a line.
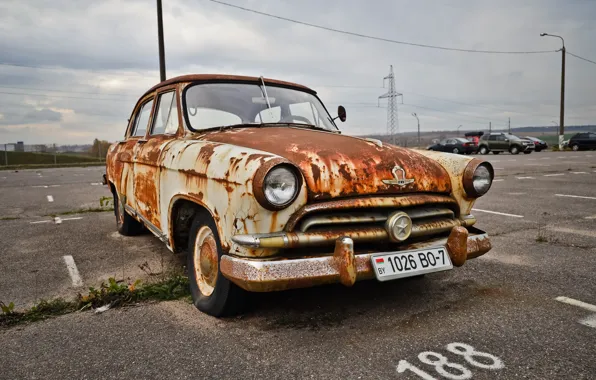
[392, 265]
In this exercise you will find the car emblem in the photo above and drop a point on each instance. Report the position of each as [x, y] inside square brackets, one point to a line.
[399, 175]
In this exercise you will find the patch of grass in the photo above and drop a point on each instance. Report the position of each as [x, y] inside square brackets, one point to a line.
[82, 211]
[113, 293]
[9, 217]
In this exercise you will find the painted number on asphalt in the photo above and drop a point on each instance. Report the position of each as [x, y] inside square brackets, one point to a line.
[450, 370]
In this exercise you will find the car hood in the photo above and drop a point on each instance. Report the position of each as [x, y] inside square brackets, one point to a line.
[335, 165]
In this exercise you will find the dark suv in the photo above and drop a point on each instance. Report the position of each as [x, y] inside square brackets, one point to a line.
[504, 142]
[585, 140]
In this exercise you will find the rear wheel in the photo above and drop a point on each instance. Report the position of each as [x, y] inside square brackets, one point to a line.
[483, 150]
[514, 150]
[211, 292]
[126, 224]
[455, 150]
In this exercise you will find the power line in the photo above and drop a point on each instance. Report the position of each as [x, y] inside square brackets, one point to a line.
[380, 38]
[577, 56]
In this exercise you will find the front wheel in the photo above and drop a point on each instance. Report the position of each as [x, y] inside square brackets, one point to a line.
[483, 150]
[514, 150]
[211, 292]
[575, 147]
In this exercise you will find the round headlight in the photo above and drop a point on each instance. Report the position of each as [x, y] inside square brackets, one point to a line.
[478, 178]
[280, 186]
[482, 180]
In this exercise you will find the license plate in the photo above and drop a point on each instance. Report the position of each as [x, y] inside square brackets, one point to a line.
[389, 266]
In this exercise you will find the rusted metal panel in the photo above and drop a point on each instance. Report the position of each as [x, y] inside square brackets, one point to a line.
[265, 275]
[336, 165]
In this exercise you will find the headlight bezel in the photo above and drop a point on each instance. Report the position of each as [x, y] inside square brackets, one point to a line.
[469, 174]
[259, 182]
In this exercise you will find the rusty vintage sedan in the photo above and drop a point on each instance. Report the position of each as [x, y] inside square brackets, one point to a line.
[254, 181]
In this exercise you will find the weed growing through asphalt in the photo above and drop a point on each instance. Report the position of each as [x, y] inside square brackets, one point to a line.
[113, 293]
[9, 218]
[105, 204]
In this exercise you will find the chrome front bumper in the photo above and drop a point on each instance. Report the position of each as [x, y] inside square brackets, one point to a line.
[271, 274]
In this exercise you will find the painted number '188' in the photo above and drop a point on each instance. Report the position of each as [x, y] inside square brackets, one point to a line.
[450, 370]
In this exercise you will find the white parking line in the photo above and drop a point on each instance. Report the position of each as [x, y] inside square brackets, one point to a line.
[498, 213]
[525, 177]
[554, 175]
[531, 159]
[579, 172]
[516, 193]
[498, 180]
[75, 218]
[40, 221]
[571, 301]
[50, 198]
[95, 183]
[46, 186]
[534, 165]
[545, 158]
[497, 168]
[588, 155]
[57, 220]
[574, 196]
[590, 217]
[77, 282]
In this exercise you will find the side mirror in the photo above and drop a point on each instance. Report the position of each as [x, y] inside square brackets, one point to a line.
[506, 140]
[341, 113]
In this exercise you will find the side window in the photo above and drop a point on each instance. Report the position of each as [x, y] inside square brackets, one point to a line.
[500, 138]
[492, 138]
[305, 110]
[142, 119]
[166, 119]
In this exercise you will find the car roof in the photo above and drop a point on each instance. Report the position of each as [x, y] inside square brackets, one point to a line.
[225, 78]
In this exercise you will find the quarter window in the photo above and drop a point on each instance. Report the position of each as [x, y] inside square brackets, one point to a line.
[142, 120]
[166, 119]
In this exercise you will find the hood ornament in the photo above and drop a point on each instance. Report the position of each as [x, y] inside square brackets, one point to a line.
[399, 177]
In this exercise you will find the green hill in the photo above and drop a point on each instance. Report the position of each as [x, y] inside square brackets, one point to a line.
[30, 158]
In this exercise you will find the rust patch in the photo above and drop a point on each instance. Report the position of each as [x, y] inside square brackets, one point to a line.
[344, 260]
[478, 247]
[357, 168]
[457, 245]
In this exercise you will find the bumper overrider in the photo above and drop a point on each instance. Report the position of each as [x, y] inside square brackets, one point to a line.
[343, 266]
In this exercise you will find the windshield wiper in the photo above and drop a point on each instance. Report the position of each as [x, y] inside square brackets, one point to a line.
[298, 125]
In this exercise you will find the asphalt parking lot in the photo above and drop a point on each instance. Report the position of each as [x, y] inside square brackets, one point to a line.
[524, 310]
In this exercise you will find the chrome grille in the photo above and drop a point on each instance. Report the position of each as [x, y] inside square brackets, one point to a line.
[426, 220]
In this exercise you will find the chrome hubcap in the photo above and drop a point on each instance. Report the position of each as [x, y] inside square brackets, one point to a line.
[205, 260]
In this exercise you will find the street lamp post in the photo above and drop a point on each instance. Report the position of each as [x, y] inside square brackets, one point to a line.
[162, 56]
[562, 107]
[416, 116]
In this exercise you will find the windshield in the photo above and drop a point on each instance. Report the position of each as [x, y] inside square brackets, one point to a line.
[226, 104]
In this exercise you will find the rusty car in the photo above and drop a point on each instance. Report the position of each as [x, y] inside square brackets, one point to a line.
[253, 180]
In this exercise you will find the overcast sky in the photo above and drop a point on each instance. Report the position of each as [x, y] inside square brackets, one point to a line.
[103, 55]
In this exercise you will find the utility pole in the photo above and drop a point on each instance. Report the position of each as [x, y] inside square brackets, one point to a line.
[416, 116]
[490, 127]
[391, 95]
[162, 56]
[6, 154]
[562, 105]
[509, 123]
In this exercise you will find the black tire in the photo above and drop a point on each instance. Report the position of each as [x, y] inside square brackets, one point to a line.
[483, 150]
[455, 151]
[514, 149]
[575, 147]
[226, 298]
[126, 224]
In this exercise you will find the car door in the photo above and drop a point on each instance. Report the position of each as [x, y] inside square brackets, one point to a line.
[136, 131]
[163, 129]
[592, 140]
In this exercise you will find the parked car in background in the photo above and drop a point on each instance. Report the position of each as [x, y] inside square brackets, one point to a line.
[498, 142]
[583, 141]
[251, 179]
[457, 145]
[538, 144]
[474, 137]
